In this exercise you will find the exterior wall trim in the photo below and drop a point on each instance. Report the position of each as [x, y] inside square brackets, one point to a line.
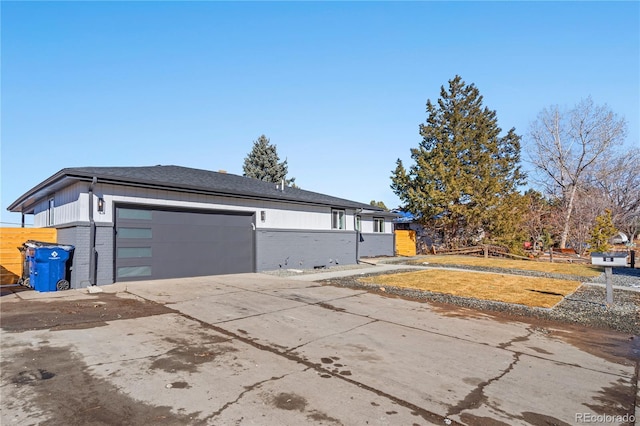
[319, 231]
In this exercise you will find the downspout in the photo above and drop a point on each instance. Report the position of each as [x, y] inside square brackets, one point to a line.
[355, 226]
[93, 254]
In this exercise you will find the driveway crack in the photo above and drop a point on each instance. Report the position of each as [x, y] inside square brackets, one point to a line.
[330, 335]
[246, 390]
[476, 397]
[427, 415]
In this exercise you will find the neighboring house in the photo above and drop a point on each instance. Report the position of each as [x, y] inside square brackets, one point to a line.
[620, 238]
[139, 223]
[423, 239]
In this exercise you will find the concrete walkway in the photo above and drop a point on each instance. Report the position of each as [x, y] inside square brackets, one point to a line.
[373, 269]
[277, 351]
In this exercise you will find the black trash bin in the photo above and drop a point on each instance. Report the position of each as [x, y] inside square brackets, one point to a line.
[24, 279]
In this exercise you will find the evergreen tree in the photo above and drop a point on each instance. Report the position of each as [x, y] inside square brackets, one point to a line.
[380, 204]
[465, 174]
[602, 232]
[263, 163]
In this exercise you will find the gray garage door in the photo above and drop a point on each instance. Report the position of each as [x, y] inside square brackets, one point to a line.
[157, 243]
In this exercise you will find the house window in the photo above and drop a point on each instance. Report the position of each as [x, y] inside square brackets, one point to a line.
[337, 219]
[378, 224]
[50, 210]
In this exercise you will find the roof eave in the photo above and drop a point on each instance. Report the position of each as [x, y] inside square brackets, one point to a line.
[29, 198]
[379, 213]
[26, 202]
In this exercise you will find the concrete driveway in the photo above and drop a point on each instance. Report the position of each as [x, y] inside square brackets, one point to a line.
[253, 349]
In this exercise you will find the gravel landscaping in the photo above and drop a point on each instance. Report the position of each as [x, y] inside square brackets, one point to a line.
[586, 306]
[625, 277]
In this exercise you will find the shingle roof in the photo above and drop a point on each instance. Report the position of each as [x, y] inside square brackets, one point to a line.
[186, 179]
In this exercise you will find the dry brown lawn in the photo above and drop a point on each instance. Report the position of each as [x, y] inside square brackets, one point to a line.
[530, 291]
[579, 270]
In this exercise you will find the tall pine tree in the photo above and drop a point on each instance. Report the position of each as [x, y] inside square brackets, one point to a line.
[465, 177]
[263, 163]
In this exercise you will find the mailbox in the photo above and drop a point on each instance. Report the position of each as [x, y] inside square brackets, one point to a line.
[609, 259]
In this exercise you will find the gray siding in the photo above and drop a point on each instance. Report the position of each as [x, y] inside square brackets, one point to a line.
[275, 249]
[77, 236]
[104, 247]
[376, 244]
[298, 249]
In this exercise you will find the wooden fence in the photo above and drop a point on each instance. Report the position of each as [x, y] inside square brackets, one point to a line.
[405, 243]
[485, 250]
[10, 257]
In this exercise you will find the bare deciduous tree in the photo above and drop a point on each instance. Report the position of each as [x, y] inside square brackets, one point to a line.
[566, 145]
[536, 217]
[618, 179]
[588, 204]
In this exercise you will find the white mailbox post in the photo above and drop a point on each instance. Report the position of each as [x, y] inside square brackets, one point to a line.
[609, 260]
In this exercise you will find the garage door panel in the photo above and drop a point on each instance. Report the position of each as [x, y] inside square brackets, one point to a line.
[160, 217]
[154, 244]
[199, 233]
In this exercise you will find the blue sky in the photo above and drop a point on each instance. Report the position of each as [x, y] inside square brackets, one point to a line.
[339, 87]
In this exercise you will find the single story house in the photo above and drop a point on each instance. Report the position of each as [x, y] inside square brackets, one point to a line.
[141, 223]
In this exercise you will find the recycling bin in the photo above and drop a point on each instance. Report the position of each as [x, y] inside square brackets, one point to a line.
[48, 267]
[27, 253]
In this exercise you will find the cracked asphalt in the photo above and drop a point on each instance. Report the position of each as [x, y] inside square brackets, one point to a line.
[256, 349]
